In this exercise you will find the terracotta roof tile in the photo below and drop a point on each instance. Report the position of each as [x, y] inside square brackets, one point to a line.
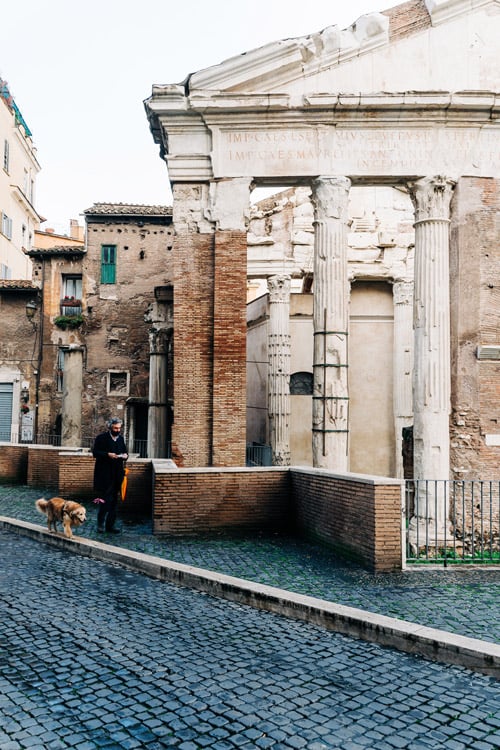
[128, 209]
[58, 250]
[16, 285]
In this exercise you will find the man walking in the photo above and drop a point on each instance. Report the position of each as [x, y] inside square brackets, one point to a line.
[110, 453]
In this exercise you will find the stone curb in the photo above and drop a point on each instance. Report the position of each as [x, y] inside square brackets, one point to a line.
[430, 643]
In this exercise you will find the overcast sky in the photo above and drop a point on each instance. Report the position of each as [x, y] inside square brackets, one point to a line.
[80, 71]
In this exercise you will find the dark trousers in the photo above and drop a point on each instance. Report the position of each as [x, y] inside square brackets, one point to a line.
[106, 515]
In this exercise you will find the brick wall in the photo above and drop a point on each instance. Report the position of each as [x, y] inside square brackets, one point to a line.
[475, 301]
[358, 516]
[407, 18]
[229, 371]
[13, 463]
[200, 500]
[76, 476]
[43, 466]
[193, 332]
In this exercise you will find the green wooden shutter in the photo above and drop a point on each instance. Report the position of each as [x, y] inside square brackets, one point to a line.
[108, 264]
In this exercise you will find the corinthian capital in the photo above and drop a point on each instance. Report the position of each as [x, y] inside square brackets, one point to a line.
[329, 197]
[279, 288]
[431, 197]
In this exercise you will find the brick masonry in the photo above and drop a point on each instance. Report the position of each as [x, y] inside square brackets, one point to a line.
[475, 301]
[230, 331]
[13, 463]
[197, 501]
[193, 333]
[359, 517]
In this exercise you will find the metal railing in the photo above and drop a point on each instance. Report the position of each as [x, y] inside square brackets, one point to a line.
[139, 447]
[259, 455]
[453, 521]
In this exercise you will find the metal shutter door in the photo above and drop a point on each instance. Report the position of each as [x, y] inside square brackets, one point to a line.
[5, 411]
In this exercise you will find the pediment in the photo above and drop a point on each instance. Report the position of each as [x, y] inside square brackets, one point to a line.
[420, 45]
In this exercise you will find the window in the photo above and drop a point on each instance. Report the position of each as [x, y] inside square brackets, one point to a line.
[7, 226]
[108, 264]
[5, 271]
[6, 155]
[118, 383]
[301, 384]
[71, 300]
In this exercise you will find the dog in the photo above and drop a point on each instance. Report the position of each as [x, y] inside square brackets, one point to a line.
[69, 513]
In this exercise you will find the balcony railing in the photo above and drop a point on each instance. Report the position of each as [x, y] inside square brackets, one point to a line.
[71, 307]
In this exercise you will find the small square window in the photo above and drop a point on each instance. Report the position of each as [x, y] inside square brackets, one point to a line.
[118, 383]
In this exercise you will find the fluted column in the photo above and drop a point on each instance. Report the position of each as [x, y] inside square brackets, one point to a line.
[279, 368]
[431, 197]
[158, 394]
[403, 364]
[71, 407]
[330, 197]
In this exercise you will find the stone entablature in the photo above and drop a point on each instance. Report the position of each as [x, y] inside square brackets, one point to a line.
[394, 136]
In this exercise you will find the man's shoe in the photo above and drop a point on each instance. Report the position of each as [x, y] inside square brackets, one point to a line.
[113, 531]
[100, 529]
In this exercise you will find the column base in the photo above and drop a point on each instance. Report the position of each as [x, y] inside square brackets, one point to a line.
[430, 535]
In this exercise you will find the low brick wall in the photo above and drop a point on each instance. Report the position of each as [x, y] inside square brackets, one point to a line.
[358, 516]
[13, 463]
[43, 465]
[190, 501]
[76, 476]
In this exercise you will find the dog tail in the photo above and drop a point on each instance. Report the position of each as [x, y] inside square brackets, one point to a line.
[41, 505]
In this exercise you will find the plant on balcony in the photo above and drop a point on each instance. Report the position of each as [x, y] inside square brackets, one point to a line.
[68, 321]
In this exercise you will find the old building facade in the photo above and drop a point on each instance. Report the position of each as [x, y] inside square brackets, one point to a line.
[18, 216]
[104, 312]
[374, 105]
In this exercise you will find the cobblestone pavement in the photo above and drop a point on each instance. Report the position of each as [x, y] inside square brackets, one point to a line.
[464, 601]
[95, 656]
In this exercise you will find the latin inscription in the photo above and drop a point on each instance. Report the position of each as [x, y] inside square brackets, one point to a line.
[369, 151]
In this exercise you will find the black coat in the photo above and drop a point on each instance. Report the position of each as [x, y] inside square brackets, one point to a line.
[108, 472]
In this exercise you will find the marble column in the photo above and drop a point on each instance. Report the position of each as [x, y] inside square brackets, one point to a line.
[71, 407]
[279, 348]
[402, 292]
[330, 197]
[431, 197]
[158, 394]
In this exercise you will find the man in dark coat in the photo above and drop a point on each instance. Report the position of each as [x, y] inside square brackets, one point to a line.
[110, 453]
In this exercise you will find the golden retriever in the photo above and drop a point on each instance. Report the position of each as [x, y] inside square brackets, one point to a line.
[69, 513]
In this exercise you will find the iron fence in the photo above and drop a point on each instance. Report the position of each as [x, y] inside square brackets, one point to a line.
[453, 521]
[139, 447]
[259, 455]
[54, 438]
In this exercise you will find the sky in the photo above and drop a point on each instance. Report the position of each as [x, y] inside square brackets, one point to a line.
[80, 72]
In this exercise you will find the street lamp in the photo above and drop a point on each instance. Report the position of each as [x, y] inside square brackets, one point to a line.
[31, 309]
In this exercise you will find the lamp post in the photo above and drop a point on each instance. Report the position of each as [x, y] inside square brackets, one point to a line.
[31, 309]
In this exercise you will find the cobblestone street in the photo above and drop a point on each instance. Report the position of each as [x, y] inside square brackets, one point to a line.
[96, 656]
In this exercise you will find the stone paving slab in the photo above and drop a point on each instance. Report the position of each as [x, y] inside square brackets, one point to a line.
[463, 601]
[388, 631]
[97, 656]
